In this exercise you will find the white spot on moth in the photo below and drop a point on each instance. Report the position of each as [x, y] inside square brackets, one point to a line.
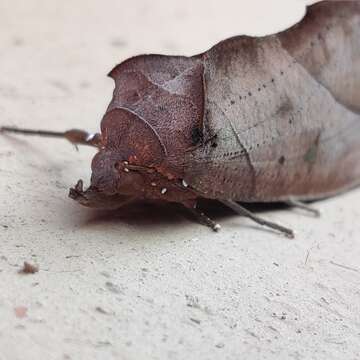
[184, 183]
[126, 170]
[163, 191]
[90, 137]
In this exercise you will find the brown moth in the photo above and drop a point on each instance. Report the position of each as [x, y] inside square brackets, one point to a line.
[265, 119]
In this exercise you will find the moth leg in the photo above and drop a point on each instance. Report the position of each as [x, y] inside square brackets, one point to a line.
[303, 206]
[204, 219]
[75, 136]
[242, 211]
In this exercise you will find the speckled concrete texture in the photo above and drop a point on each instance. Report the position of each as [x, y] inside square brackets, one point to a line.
[146, 282]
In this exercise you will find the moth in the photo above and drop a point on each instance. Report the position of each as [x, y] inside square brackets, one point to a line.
[253, 119]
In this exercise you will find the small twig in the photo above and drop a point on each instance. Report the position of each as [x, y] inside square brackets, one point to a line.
[344, 266]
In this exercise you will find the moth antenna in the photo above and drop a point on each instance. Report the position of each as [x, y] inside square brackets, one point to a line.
[75, 136]
[32, 132]
[242, 211]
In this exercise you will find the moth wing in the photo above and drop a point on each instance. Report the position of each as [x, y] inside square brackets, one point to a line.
[279, 124]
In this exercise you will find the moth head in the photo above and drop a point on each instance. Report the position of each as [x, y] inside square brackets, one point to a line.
[129, 151]
[94, 198]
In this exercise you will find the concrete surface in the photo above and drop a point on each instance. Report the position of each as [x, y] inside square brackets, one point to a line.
[147, 283]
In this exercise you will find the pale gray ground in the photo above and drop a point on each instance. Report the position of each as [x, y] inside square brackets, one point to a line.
[152, 284]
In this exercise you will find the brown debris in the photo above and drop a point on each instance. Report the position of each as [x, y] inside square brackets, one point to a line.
[29, 268]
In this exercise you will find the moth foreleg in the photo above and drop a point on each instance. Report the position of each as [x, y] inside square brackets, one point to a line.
[242, 211]
[75, 136]
[303, 206]
[204, 219]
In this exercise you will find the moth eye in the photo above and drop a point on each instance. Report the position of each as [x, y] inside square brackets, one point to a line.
[117, 166]
[196, 135]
